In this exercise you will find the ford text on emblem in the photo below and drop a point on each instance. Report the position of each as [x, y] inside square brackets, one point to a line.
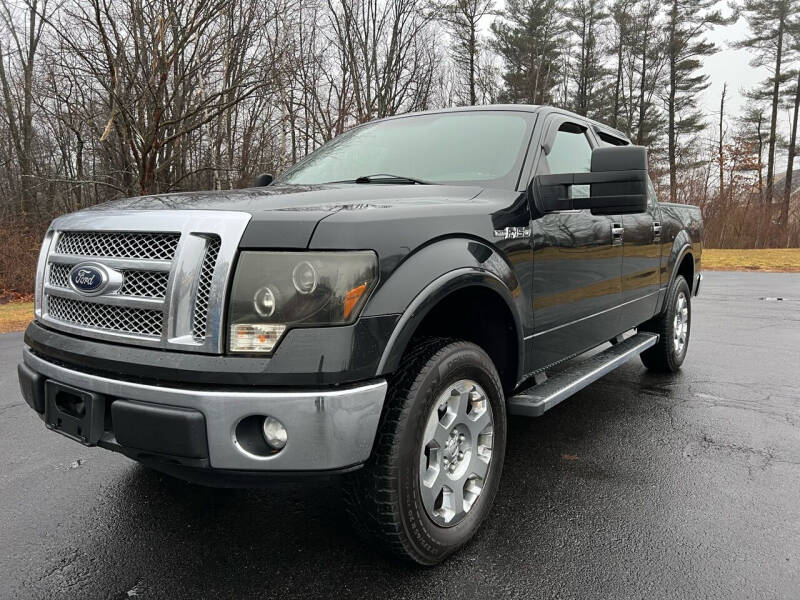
[88, 279]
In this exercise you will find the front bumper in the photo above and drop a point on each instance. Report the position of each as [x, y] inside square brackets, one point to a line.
[328, 429]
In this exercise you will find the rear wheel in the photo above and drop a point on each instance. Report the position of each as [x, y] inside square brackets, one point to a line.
[435, 469]
[673, 326]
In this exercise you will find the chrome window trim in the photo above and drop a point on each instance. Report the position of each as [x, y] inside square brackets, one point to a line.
[195, 227]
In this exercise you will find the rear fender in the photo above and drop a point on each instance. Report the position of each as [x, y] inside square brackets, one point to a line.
[680, 248]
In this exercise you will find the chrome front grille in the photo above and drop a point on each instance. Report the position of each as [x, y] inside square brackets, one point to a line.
[137, 321]
[59, 275]
[146, 284]
[162, 288]
[148, 246]
[200, 313]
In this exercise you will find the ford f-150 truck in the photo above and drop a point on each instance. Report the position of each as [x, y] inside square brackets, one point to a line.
[375, 312]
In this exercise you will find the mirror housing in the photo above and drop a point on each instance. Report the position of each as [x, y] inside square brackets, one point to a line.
[618, 184]
[263, 180]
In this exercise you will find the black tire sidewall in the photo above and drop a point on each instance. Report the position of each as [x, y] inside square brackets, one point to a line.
[457, 361]
[678, 286]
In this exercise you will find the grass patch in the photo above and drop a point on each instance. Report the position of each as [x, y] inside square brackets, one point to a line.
[771, 259]
[15, 316]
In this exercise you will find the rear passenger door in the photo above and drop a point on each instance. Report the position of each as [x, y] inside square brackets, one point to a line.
[577, 257]
[641, 262]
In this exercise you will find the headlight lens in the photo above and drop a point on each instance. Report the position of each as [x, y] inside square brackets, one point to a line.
[275, 291]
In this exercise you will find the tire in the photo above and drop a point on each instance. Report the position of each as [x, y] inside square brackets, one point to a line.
[385, 498]
[673, 326]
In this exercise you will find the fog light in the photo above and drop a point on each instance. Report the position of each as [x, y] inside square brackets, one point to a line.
[274, 433]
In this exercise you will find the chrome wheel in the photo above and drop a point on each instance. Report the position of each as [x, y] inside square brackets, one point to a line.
[680, 324]
[456, 452]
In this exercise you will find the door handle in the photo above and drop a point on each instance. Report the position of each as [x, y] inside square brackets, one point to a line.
[656, 231]
[616, 234]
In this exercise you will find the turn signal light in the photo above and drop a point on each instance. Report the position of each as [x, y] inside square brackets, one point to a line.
[255, 337]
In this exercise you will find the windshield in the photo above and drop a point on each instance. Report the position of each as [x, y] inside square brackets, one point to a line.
[484, 148]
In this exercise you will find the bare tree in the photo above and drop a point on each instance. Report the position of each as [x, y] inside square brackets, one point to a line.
[388, 53]
[462, 19]
[22, 26]
[792, 150]
[166, 70]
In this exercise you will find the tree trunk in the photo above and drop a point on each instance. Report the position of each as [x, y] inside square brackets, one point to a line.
[721, 147]
[642, 88]
[472, 51]
[787, 192]
[617, 83]
[774, 118]
[673, 81]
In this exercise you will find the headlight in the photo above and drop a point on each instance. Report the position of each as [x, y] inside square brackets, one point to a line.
[276, 291]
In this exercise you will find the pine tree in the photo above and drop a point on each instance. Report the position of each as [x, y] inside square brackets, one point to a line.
[648, 59]
[768, 20]
[622, 21]
[585, 19]
[527, 38]
[686, 23]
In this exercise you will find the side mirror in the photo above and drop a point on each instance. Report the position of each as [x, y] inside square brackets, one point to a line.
[263, 180]
[617, 182]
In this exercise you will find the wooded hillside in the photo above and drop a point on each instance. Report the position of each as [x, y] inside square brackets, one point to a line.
[107, 98]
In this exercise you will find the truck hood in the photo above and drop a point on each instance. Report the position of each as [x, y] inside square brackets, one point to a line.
[285, 216]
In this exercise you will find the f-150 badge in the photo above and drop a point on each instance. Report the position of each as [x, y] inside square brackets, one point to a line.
[512, 233]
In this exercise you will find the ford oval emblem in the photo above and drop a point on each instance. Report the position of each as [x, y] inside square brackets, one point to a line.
[88, 279]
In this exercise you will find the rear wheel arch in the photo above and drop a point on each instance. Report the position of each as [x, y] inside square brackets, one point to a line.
[686, 268]
[681, 261]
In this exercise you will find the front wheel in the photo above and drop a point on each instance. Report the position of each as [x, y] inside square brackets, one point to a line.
[435, 469]
[673, 326]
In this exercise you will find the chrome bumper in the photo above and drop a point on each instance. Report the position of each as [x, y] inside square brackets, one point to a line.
[327, 429]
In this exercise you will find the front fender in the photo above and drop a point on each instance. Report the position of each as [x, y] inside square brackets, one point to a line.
[432, 273]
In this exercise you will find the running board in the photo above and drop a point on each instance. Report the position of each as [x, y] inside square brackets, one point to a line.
[534, 401]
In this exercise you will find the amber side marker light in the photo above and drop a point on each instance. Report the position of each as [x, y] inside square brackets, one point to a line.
[352, 297]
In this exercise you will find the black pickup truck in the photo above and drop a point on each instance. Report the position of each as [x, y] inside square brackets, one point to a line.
[376, 312]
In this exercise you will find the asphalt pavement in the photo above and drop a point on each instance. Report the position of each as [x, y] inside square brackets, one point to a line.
[640, 486]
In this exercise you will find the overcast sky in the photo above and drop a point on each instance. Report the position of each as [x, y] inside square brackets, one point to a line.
[731, 66]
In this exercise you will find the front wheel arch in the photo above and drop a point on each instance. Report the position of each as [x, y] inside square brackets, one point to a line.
[491, 302]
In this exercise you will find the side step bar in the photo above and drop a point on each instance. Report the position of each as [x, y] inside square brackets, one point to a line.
[534, 401]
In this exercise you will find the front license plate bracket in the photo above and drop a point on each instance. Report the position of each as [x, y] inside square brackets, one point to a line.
[75, 413]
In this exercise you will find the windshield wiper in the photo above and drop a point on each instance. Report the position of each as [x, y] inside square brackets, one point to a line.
[385, 178]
